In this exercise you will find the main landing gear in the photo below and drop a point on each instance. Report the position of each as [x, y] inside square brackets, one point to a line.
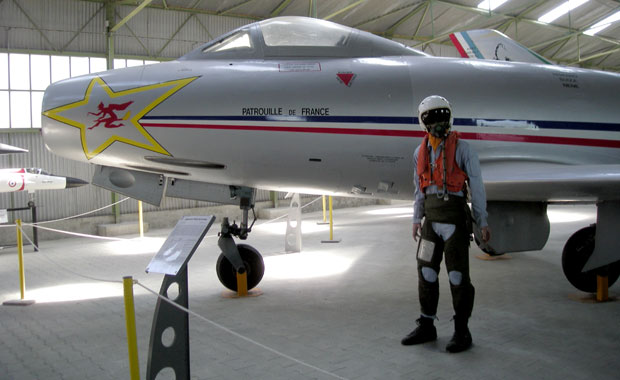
[239, 259]
[576, 253]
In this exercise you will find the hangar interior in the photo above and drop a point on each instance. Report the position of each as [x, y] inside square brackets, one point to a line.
[44, 41]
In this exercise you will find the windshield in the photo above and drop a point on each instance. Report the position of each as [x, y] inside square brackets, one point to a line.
[238, 41]
[298, 38]
[304, 32]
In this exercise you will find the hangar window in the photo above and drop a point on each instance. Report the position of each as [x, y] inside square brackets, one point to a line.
[304, 32]
[24, 78]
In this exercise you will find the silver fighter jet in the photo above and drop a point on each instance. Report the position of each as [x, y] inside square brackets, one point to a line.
[306, 105]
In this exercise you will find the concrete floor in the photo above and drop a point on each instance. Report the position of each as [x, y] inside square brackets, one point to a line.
[339, 310]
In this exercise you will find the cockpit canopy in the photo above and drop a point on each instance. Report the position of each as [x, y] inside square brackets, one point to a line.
[298, 37]
[37, 171]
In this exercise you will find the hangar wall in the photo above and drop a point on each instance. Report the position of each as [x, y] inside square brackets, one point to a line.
[63, 27]
[67, 27]
[77, 28]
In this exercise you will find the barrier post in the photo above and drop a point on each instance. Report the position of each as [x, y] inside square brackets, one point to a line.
[22, 276]
[242, 284]
[20, 258]
[140, 219]
[324, 212]
[331, 224]
[331, 219]
[130, 322]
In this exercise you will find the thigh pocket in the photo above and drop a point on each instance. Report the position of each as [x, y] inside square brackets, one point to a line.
[426, 248]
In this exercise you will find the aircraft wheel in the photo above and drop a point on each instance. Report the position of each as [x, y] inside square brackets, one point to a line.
[253, 262]
[576, 253]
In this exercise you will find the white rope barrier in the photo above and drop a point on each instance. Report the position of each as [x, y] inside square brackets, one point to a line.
[86, 213]
[69, 217]
[204, 319]
[285, 215]
[75, 233]
[49, 259]
[223, 328]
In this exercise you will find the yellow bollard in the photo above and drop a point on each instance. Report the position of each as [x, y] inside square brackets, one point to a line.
[602, 288]
[22, 276]
[130, 322]
[20, 258]
[140, 219]
[331, 224]
[242, 284]
[331, 219]
[324, 212]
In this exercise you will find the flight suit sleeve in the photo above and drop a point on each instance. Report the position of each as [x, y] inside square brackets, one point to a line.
[418, 196]
[467, 159]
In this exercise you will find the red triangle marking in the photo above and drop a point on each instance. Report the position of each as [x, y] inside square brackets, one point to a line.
[345, 77]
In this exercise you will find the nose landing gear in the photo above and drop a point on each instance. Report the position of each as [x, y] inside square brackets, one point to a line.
[239, 259]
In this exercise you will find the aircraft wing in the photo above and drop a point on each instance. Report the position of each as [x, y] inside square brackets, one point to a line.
[491, 44]
[532, 182]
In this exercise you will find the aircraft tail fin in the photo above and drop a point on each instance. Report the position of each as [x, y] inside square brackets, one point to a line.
[491, 44]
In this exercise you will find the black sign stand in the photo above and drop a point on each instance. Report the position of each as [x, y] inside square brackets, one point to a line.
[169, 345]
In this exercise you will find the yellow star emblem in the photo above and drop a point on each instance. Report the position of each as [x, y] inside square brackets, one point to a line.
[133, 107]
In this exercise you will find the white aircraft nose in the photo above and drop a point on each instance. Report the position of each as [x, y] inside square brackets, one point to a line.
[64, 111]
[81, 114]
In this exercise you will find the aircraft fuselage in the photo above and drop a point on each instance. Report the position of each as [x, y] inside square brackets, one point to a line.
[336, 125]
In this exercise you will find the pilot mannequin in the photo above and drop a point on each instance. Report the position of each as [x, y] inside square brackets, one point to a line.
[444, 166]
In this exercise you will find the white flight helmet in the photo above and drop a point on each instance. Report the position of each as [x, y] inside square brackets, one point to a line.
[435, 116]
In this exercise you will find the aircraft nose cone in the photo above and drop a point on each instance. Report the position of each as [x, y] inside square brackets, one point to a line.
[64, 111]
[74, 182]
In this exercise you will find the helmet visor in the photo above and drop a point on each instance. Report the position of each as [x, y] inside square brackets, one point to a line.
[435, 116]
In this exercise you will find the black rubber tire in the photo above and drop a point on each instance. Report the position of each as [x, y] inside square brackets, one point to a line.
[254, 265]
[576, 253]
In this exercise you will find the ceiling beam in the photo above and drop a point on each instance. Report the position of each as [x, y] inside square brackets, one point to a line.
[597, 55]
[373, 19]
[174, 34]
[167, 7]
[276, 12]
[560, 47]
[82, 28]
[131, 14]
[233, 7]
[35, 25]
[345, 9]
[413, 12]
[135, 36]
[417, 29]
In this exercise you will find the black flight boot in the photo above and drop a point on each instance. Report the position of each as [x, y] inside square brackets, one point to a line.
[461, 340]
[425, 332]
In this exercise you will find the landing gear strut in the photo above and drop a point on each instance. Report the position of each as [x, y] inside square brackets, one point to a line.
[239, 259]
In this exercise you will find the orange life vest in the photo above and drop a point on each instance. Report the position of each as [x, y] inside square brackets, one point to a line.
[456, 177]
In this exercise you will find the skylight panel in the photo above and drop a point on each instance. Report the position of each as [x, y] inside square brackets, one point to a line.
[491, 4]
[561, 10]
[603, 24]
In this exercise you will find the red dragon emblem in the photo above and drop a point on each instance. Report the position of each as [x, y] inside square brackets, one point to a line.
[107, 115]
